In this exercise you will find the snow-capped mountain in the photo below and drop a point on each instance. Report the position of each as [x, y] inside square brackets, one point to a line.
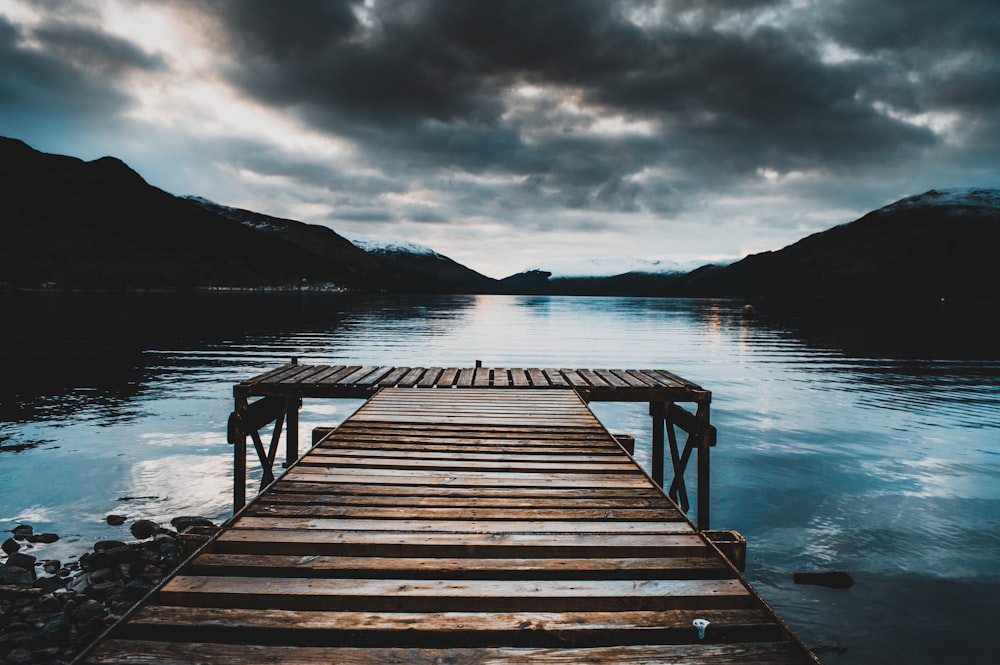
[957, 198]
[375, 245]
[609, 267]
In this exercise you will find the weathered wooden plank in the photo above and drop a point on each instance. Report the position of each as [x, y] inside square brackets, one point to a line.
[644, 378]
[500, 377]
[510, 455]
[122, 652]
[271, 375]
[466, 478]
[393, 377]
[337, 376]
[250, 565]
[412, 378]
[374, 377]
[519, 378]
[669, 379]
[555, 377]
[448, 377]
[574, 379]
[465, 377]
[304, 485]
[456, 628]
[420, 595]
[359, 377]
[611, 378]
[512, 447]
[458, 464]
[629, 379]
[592, 501]
[328, 371]
[462, 527]
[291, 376]
[530, 545]
[285, 509]
[430, 377]
[537, 377]
[593, 378]
[481, 377]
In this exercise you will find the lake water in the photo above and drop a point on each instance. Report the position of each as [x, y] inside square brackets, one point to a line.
[863, 438]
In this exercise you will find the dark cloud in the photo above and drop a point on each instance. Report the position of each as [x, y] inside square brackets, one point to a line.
[39, 89]
[91, 48]
[425, 84]
[555, 114]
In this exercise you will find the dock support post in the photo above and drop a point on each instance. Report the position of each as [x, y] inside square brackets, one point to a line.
[239, 441]
[706, 439]
[292, 435]
[658, 411]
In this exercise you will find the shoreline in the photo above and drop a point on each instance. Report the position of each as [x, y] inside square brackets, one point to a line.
[50, 618]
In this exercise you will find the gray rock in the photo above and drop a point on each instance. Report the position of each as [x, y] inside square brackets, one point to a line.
[52, 566]
[115, 520]
[16, 575]
[43, 538]
[54, 630]
[143, 529]
[21, 560]
[10, 546]
[89, 610]
[105, 545]
[22, 531]
[187, 521]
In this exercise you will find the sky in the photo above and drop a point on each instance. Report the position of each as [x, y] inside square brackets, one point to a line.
[515, 134]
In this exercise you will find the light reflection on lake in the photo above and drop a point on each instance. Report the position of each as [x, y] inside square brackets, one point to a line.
[862, 438]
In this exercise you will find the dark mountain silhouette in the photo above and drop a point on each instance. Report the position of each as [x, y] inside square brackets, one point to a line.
[99, 225]
[938, 244]
[396, 270]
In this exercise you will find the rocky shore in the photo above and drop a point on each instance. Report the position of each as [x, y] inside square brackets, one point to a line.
[50, 610]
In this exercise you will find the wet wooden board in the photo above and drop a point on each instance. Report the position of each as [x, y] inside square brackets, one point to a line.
[654, 385]
[477, 525]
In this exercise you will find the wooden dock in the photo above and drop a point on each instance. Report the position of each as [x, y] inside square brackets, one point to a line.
[457, 526]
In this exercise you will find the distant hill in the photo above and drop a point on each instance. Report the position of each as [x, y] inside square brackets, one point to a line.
[938, 244]
[98, 225]
[399, 268]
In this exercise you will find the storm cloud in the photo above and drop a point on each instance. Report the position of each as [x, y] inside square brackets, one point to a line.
[738, 124]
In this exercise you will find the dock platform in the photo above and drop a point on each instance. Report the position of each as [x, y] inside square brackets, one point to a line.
[471, 525]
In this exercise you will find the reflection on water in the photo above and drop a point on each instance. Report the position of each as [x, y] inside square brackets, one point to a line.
[851, 436]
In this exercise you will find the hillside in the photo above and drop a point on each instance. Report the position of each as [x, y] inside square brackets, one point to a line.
[938, 244]
[98, 225]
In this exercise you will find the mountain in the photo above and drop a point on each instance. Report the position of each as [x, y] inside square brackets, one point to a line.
[939, 244]
[539, 282]
[409, 263]
[99, 225]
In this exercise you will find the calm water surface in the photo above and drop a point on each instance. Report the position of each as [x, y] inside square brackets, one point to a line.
[862, 438]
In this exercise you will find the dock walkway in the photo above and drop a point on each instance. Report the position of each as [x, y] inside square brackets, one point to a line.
[458, 526]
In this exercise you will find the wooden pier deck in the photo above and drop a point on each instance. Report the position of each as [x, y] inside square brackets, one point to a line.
[458, 526]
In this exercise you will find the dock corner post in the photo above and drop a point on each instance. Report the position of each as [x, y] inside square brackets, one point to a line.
[658, 411]
[238, 438]
[706, 439]
[293, 404]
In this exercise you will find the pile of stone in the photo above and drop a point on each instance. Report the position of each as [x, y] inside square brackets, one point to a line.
[50, 611]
